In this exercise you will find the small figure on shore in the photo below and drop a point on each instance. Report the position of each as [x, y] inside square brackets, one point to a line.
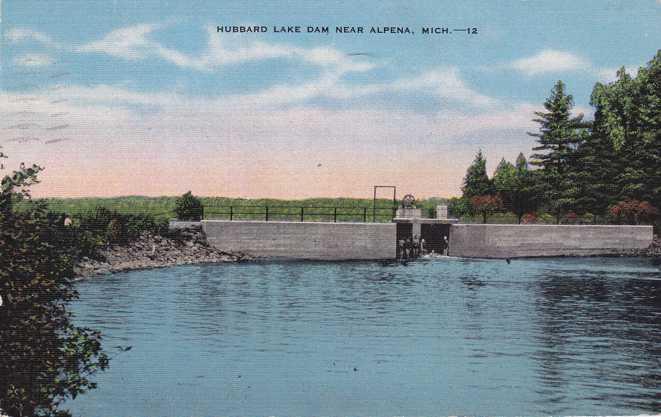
[446, 246]
[423, 251]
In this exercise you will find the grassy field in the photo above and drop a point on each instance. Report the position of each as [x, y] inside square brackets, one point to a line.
[314, 209]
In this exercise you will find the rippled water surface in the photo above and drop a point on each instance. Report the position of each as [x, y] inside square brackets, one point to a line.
[548, 336]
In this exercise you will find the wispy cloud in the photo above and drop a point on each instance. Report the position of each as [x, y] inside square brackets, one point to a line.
[253, 152]
[550, 61]
[33, 60]
[134, 43]
[128, 43]
[24, 34]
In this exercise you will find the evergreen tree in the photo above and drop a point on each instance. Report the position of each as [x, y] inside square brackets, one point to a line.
[560, 134]
[476, 181]
[516, 186]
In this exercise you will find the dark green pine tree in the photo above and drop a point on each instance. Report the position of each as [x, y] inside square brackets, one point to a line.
[476, 181]
[560, 134]
[525, 199]
[598, 161]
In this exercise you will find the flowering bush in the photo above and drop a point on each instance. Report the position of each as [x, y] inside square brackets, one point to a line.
[571, 218]
[529, 218]
[486, 204]
[633, 211]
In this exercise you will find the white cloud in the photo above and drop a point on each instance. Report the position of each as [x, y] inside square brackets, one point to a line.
[134, 43]
[128, 43]
[33, 60]
[225, 149]
[446, 83]
[554, 61]
[23, 34]
[550, 60]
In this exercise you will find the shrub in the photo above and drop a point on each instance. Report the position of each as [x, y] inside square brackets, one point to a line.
[486, 205]
[633, 212]
[189, 207]
[45, 359]
[529, 218]
[571, 218]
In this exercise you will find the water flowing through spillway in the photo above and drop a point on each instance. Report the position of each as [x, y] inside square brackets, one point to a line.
[537, 336]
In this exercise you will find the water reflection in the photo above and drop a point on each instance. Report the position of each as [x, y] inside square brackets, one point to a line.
[600, 340]
[565, 336]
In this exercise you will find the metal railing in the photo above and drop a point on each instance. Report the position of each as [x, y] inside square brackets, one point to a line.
[300, 213]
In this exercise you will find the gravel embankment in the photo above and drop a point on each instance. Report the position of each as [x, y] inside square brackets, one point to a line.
[153, 251]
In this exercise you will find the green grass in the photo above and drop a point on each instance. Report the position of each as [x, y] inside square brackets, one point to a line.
[315, 209]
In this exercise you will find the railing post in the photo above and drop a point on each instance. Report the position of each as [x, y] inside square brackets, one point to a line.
[266, 214]
[364, 214]
[334, 214]
[302, 208]
[231, 213]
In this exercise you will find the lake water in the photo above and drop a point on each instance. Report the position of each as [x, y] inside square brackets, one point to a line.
[538, 336]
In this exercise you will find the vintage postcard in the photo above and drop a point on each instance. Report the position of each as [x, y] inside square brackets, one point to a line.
[330, 208]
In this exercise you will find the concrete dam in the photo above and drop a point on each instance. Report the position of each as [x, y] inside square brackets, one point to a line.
[378, 241]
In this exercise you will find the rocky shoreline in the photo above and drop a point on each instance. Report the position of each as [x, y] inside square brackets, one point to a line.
[185, 247]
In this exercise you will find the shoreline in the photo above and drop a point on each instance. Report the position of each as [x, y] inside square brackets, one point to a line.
[150, 251]
[189, 246]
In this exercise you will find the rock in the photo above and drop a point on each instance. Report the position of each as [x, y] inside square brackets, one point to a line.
[153, 251]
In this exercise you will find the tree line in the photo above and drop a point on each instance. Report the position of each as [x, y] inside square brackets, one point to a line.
[604, 170]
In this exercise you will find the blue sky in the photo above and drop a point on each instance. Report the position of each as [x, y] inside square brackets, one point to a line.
[103, 93]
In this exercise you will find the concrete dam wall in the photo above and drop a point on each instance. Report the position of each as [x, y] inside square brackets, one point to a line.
[304, 240]
[377, 241]
[512, 241]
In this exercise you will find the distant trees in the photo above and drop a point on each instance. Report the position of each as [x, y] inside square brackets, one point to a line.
[516, 186]
[189, 207]
[44, 358]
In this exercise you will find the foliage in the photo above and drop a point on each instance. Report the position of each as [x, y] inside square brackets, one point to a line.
[560, 134]
[529, 218]
[189, 207]
[459, 207]
[105, 226]
[628, 123]
[633, 211]
[486, 205]
[45, 359]
[570, 218]
[476, 181]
